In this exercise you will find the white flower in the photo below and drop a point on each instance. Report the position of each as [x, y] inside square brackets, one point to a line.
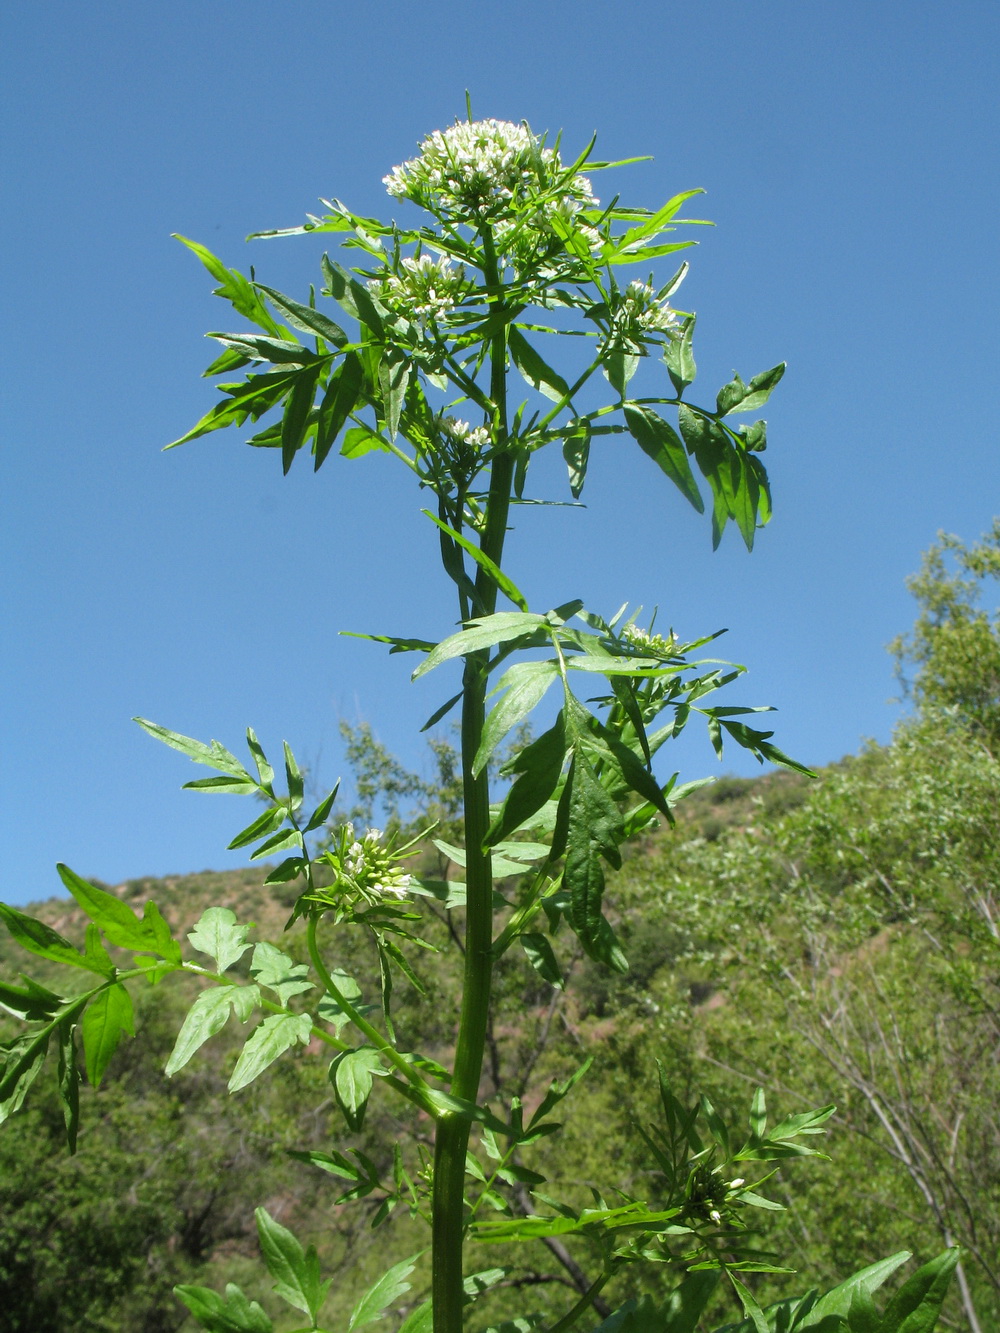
[735, 1184]
[424, 287]
[636, 314]
[655, 645]
[484, 167]
[462, 433]
[715, 1215]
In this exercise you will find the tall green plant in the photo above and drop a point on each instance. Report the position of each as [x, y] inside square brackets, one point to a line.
[464, 312]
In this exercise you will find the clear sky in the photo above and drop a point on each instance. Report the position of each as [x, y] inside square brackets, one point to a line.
[849, 152]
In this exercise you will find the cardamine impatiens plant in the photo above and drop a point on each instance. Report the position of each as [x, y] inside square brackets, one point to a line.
[499, 317]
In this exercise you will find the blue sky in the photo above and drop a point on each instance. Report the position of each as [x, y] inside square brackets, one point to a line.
[849, 155]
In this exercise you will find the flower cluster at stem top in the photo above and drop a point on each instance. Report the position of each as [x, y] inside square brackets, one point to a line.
[652, 645]
[487, 169]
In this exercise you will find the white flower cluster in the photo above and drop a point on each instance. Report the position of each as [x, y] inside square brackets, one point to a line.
[460, 431]
[654, 645]
[484, 168]
[638, 313]
[370, 866]
[425, 287]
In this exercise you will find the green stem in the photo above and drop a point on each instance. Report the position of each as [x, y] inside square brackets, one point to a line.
[384, 1047]
[583, 1304]
[452, 1139]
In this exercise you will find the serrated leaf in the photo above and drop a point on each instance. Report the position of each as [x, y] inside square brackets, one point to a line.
[679, 358]
[576, 452]
[304, 318]
[30, 1001]
[119, 923]
[495, 574]
[393, 377]
[521, 688]
[68, 1081]
[275, 970]
[207, 1016]
[295, 1271]
[218, 934]
[232, 1314]
[360, 440]
[352, 1074]
[339, 400]
[269, 1040]
[212, 755]
[915, 1307]
[263, 825]
[535, 369]
[484, 632]
[40, 939]
[20, 1063]
[542, 959]
[379, 1297]
[660, 441]
[105, 1020]
[538, 766]
[837, 1301]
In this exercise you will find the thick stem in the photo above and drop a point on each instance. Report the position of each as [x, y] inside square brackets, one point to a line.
[452, 1139]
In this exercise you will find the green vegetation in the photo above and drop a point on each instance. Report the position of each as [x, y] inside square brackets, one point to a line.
[830, 941]
[774, 938]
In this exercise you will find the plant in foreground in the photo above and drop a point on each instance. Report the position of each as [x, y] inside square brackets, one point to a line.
[433, 329]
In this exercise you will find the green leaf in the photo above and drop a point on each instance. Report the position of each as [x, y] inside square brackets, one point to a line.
[619, 367]
[234, 1314]
[534, 368]
[20, 1063]
[739, 397]
[119, 923]
[420, 1320]
[916, 1305]
[758, 1115]
[576, 452]
[207, 1016]
[338, 403]
[660, 441]
[685, 1304]
[105, 1019]
[234, 288]
[258, 347]
[521, 688]
[40, 939]
[360, 440]
[379, 1297]
[393, 377]
[837, 1301]
[351, 1074]
[30, 1001]
[275, 970]
[322, 812]
[295, 1271]
[304, 318]
[218, 934]
[755, 1315]
[594, 831]
[266, 823]
[295, 422]
[542, 959]
[539, 766]
[484, 632]
[294, 779]
[68, 1081]
[269, 1040]
[212, 755]
[496, 575]
[679, 358]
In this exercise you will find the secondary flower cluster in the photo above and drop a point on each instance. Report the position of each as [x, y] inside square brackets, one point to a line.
[366, 870]
[636, 315]
[425, 287]
[460, 432]
[485, 168]
[652, 645]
